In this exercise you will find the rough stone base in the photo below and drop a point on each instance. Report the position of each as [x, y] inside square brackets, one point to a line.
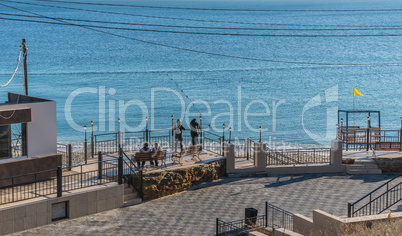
[156, 185]
[389, 164]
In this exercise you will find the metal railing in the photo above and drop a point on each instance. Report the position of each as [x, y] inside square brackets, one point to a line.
[244, 148]
[212, 142]
[73, 155]
[298, 156]
[133, 173]
[378, 200]
[57, 181]
[274, 217]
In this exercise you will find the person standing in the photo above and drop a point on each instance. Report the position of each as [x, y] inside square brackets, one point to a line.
[178, 130]
[195, 130]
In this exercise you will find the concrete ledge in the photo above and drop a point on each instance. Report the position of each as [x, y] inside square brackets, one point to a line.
[37, 212]
[285, 232]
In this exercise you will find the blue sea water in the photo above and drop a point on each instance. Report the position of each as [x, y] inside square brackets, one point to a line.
[97, 76]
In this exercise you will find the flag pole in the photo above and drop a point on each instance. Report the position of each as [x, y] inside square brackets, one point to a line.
[354, 113]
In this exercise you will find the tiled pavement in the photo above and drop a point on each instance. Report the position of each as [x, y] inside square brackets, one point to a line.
[194, 212]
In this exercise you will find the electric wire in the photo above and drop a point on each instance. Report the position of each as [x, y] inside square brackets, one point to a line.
[16, 71]
[211, 33]
[189, 19]
[211, 53]
[201, 27]
[225, 9]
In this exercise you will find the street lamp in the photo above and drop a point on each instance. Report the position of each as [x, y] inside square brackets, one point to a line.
[368, 121]
[118, 120]
[230, 133]
[260, 132]
[201, 128]
[341, 123]
[85, 128]
[172, 132]
[146, 129]
[92, 139]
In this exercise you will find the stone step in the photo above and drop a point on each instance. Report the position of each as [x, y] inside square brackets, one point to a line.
[131, 202]
[363, 171]
[130, 196]
[128, 190]
[364, 161]
[362, 166]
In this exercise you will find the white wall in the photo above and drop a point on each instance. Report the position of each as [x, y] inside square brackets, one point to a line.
[42, 130]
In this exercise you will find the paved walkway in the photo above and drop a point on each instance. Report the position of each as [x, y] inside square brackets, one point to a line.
[194, 212]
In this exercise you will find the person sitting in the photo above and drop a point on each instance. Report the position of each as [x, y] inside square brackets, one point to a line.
[156, 149]
[145, 148]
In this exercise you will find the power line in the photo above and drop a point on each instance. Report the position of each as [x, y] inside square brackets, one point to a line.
[188, 19]
[212, 33]
[15, 73]
[225, 9]
[211, 53]
[203, 27]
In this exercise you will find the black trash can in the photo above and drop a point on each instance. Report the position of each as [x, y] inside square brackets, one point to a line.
[251, 216]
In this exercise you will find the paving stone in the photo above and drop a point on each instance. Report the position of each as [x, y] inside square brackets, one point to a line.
[194, 211]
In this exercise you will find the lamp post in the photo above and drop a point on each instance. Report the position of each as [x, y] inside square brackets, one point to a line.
[118, 133]
[92, 139]
[201, 129]
[146, 129]
[260, 132]
[223, 139]
[85, 145]
[230, 133]
[172, 133]
[400, 134]
[368, 133]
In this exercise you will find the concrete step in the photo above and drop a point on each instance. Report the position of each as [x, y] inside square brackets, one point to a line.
[128, 190]
[130, 196]
[363, 171]
[131, 202]
[362, 166]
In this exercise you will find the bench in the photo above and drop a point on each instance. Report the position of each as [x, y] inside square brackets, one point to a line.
[194, 150]
[150, 156]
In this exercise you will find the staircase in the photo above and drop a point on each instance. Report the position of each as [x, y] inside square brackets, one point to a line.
[363, 166]
[130, 196]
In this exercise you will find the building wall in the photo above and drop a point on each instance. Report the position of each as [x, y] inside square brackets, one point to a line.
[42, 130]
[37, 212]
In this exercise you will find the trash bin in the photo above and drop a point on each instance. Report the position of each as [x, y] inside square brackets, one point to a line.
[251, 216]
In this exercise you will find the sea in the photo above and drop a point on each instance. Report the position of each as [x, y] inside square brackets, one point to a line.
[287, 66]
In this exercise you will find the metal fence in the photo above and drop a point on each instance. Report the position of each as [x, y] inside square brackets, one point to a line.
[378, 200]
[244, 148]
[56, 181]
[274, 217]
[73, 154]
[298, 156]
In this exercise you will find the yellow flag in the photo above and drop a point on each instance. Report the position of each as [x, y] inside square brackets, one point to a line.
[356, 93]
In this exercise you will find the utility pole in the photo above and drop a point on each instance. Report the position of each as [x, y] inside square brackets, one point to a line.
[24, 54]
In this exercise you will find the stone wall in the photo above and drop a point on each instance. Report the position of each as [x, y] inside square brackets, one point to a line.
[156, 185]
[389, 164]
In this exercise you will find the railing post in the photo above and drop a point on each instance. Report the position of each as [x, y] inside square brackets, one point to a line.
[100, 159]
[59, 181]
[368, 139]
[86, 151]
[69, 154]
[349, 209]
[266, 214]
[217, 226]
[248, 148]
[141, 189]
[12, 188]
[92, 146]
[120, 166]
[117, 142]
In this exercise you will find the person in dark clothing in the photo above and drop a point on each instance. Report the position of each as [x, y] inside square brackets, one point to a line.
[145, 148]
[195, 130]
[156, 149]
[178, 129]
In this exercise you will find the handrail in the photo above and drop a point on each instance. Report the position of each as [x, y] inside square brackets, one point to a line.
[351, 206]
[376, 189]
